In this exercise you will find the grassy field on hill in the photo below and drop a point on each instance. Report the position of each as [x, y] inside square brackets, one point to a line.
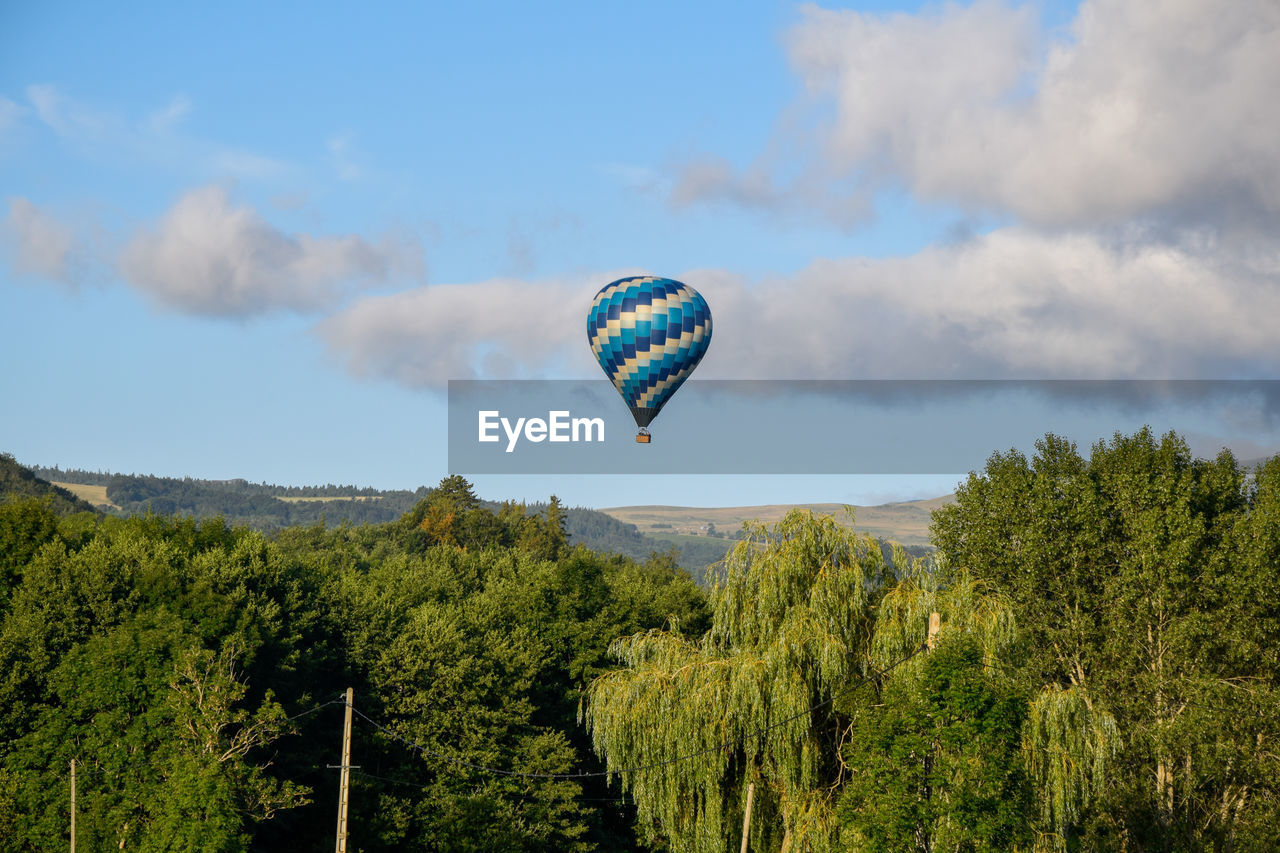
[906, 522]
[96, 495]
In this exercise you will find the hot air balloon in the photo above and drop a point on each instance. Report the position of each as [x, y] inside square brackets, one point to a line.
[648, 334]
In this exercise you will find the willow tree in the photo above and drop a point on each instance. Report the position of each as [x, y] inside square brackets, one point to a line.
[689, 723]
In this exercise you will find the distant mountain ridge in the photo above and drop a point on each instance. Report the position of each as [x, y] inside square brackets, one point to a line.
[904, 522]
[262, 506]
[269, 507]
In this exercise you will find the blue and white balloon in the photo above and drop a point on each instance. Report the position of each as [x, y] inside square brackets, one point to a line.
[648, 333]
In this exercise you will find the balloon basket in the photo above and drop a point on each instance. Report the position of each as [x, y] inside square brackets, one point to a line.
[642, 437]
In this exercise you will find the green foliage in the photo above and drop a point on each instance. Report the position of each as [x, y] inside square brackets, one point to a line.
[1105, 678]
[479, 655]
[132, 655]
[18, 482]
[272, 508]
[964, 605]
[26, 526]
[790, 623]
[1069, 749]
[1143, 580]
[456, 676]
[934, 765]
[601, 532]
[260, 506]
[165, 655]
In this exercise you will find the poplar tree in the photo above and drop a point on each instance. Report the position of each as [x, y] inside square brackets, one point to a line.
[1143, 579]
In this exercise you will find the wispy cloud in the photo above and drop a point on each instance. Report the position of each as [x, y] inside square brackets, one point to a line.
[39, 244]
[64, 116]
[343, 157]
[10, 113]
[163, 120]
[643, 179]
[154, 139]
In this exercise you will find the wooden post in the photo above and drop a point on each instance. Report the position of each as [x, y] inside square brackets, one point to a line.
[935, 622]
[344, 785]
[73, 805]
[746, 818]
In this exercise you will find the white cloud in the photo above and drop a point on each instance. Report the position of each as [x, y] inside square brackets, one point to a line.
[163, 120]
[243, 164]
[501, 328]
[40, 245]
[208, 257]
[1012, 304]
[1149, 109]
[64, 116]
[10, 113]
[343, 157]
[154, 140]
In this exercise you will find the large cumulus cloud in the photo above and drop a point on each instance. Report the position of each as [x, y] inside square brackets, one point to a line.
[1141, 109]
[1015, 303]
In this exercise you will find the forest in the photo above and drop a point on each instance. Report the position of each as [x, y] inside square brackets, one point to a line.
[1103, 676]
[268, 508]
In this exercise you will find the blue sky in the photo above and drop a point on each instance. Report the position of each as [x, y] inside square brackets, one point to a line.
[255, 240]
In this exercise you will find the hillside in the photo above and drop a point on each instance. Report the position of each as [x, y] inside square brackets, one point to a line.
[17, 482]
[635, 532]
[95, 495]
[906, 523]
[261, 506]
[268, 507]
[602, 532]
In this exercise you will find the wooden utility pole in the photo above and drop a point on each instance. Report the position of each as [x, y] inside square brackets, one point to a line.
[344, 786]
[935, 622]
[746, 818]
[73, 805]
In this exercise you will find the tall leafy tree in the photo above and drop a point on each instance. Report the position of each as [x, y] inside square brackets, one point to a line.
[1126, 571]
[749, 702]
[935, 764]
[163, 742]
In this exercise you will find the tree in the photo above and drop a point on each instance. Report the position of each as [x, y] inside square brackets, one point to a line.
[750, 700]
[449, 661]
[25, 526]
[1132, 574]
[165, 746]
[546, 537]
[935, 764]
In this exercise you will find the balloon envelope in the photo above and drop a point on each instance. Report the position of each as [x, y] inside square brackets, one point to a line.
[648, 334]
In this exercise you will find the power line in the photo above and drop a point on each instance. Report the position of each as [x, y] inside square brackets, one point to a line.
[99, 770]
[340, 700]
[419, 748]
[621, 799]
